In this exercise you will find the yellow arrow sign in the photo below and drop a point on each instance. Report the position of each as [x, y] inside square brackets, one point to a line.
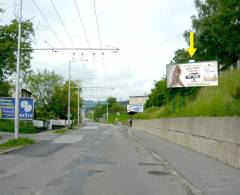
[191, 49]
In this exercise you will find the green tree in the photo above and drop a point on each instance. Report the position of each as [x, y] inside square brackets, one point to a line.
[111, 101]
[114, 107]
[99, 112]
[159, 94]
[117, 107]
[181, 56]
[217, 31]
[8, 46]
[4, 89]
[58, 104]
[217, 37]
[42, 85]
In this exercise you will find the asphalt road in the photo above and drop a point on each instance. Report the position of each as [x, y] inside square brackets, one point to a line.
[100, 160]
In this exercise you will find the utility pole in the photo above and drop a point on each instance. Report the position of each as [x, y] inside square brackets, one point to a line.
[83, 111]
[69, 94]
[78, 106]
[16, 122]
[107, 112]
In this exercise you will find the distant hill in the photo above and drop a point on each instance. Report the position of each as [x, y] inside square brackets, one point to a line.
[90, 104]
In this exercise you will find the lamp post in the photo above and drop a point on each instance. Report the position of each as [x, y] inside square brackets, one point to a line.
[16, 122]
[107, 112]
[69, 93]
[78, 106]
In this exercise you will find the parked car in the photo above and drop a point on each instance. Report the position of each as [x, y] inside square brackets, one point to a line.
[194, 75]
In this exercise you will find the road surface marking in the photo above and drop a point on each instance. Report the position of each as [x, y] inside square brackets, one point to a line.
[68, 139]
[90, 127]
[189, 186]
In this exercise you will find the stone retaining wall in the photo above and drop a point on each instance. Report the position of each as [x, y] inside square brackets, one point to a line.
[217, 137]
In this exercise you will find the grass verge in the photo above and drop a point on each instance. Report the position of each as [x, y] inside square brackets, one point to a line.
[114, 118]
[14, 143]
[60, 131]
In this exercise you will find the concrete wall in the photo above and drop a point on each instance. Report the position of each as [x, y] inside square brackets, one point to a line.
[217, 137]
[137, 100]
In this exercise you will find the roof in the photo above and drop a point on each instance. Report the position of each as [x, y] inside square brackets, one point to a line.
[138, 96]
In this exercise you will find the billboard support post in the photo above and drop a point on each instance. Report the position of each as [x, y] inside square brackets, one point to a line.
[180, 99]
[174, 102]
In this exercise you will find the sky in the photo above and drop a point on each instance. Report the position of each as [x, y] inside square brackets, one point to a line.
[147, 32]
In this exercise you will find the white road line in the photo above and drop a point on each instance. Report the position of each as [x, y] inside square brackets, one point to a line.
[68, 139]
[90, 127]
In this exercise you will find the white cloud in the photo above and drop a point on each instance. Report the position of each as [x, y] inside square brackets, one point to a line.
[147, 33]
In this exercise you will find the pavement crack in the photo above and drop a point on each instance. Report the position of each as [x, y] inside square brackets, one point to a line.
[189, 187]
[149, 164]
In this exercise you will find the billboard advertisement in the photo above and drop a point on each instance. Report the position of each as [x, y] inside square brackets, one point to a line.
[7, 108]
[134, 108]
[192, 74]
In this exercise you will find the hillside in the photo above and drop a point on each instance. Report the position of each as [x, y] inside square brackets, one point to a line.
[222, 100]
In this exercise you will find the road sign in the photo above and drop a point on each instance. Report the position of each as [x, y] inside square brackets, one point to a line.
[134, 108]
[192, 74]
[191, 50]
[7, 108]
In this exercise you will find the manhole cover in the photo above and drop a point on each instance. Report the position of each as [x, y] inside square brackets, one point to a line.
[160, 173]
[149, 164]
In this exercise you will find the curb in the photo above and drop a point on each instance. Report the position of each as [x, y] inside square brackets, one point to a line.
[191, 189]
[12, 149]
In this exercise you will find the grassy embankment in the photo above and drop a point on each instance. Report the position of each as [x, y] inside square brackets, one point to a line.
[60, 131]
[16, 143]
[114, 118]
[221, 100]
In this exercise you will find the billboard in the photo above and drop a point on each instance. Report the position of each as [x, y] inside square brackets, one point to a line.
[192, 74]
[134, 108]
[7, 108]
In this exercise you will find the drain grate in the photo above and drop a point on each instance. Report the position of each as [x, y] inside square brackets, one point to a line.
[159, 173]
[148, 164]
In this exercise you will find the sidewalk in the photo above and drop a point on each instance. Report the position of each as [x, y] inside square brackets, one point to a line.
[46, 135]
[43, 136]
[211, 176]
[5, 137]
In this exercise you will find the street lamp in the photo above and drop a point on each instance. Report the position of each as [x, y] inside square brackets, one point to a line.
[107, 112]
[69, 92]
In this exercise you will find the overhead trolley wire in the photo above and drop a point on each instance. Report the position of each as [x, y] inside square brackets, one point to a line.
[46, 20]
[99, 37]
[82, 24]
[59, 17]
[85, 33]
[96, 17]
